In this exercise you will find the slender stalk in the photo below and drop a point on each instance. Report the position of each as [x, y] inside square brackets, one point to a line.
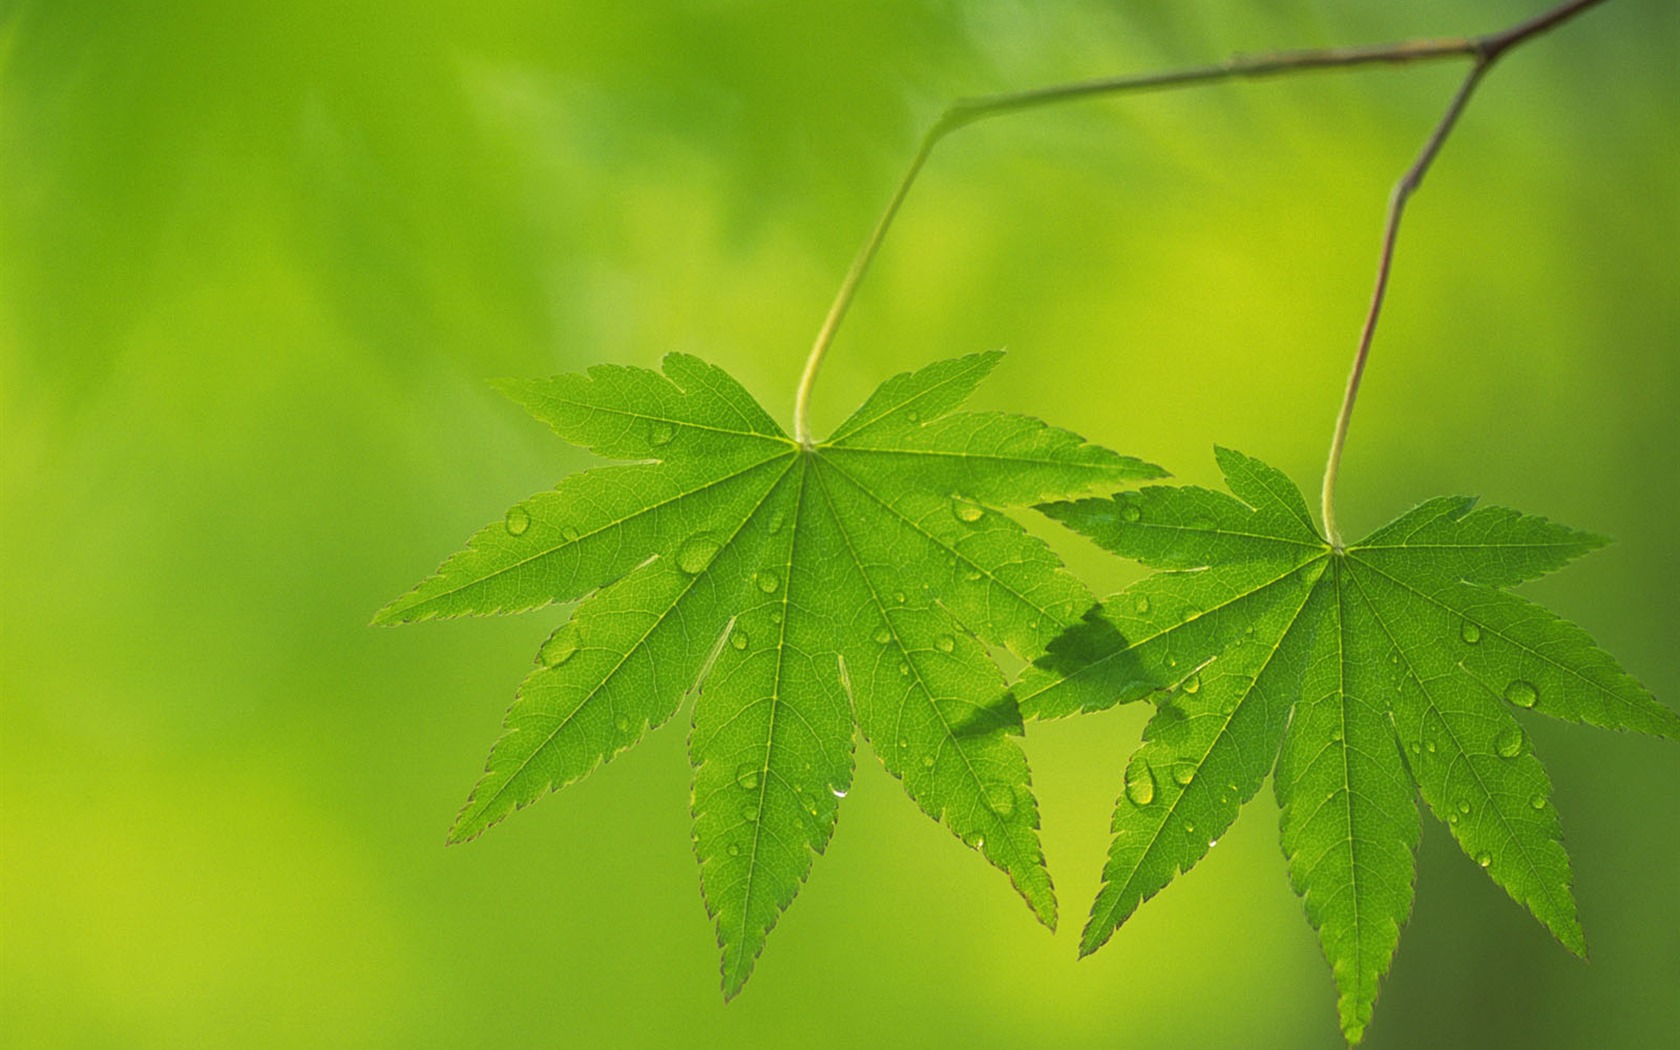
[1488, 50]
[1402, 192]
[966, 111]
[959, 114]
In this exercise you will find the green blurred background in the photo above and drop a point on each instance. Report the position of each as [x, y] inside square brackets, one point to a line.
[258, 260]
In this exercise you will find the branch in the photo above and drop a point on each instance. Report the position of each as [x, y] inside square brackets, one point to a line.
[1489, 49]
[1484, 50]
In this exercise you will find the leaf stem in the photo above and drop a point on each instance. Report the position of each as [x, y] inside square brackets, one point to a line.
[1486, 50]
[967, 111]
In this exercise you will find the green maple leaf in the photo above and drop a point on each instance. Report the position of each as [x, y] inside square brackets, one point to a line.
[800, 591]
[1359, 678]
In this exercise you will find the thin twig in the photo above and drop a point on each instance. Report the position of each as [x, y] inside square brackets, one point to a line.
[1488, 51]
[971, 110]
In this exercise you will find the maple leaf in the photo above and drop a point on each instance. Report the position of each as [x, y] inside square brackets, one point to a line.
[801, 590]
[1359, 678]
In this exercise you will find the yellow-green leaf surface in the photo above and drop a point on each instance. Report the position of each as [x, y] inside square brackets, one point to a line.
[801, 592]
[1360, 678]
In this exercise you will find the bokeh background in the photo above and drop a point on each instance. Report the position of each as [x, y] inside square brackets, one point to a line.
[257, 261]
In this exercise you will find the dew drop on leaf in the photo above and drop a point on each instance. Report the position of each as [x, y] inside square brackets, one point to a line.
[1522, 693]
[560, 646]
[1184, 774]
[517, 521]
[1484, 859]
[1141, 605]
[1470, 633]
[739, 639]
[749, 813]
[927, 761]
[776, 521]
[1130, 512]
[767, 581]
[1510, 742]
[899, 597]
[696, 553]
[1193, 684]
[734, 850]
[965, 511]
[661, 434]
[1140, 782]
[945, 643]
[569, 534]
[622, 722]
[882, 635]
[1464, 806]
[1538, 801]
[747, 776]
[837, 791]
[904, 669]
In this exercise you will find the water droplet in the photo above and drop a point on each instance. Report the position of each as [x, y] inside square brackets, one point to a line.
[1212, 843]
[1416, 748]
[1001, 799]
[903, 741]
[945, 643]
[776, 521]
[661, 434]
[1140, 782]
[623, 723]
[1522, 693]
[1429, 746]
[767, 581]
[977, 842]
[749, 813]
[569, 534]
[1538, 801]
[927, 760]
[1464, 806]
[775, 616]
[1189, 827]
[1484, 859]
[734, 850]
[517, 521]
[1130, 512]
[971, 575]
[1510, 742]
[738, 638]
[696, 553]
[1193, 684]
[1184, 775]
[747, 776]
[560, 646]
[1470, 632]
[882, 635]
[965, 511]
[836, 791]
[899, 597]
[904, 669]
[912, 416]
[1141, 605]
